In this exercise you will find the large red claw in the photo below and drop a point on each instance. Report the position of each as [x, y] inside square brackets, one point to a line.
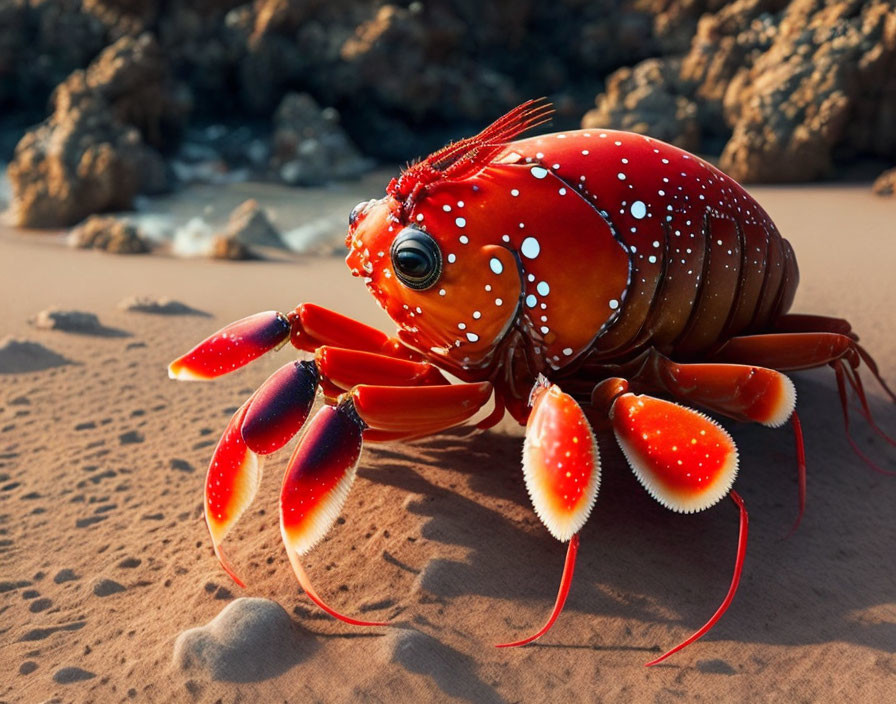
[685, 460]
[231, 484]
[279, 408]
[317, 481]
[232, 347]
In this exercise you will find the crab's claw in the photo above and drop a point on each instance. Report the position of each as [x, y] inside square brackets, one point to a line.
[315, 487]
[232, 347]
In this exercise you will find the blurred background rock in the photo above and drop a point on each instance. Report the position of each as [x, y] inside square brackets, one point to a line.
[103, 100]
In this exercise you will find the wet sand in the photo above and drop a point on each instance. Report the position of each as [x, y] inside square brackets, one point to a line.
[104, 556]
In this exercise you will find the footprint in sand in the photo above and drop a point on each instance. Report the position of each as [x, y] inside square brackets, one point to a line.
[107, 587]
[67, 675]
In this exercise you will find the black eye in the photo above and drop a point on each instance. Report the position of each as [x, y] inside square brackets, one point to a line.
[416, 258]
[356, 211]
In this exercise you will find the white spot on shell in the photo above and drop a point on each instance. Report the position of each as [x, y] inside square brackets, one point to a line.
[460, 222]
[495, 265]
[472, 337]
[514, 192]
[639, 210]
[531, 301]
[530, 248]
[538, 171]
[614, 304]
[543, 288]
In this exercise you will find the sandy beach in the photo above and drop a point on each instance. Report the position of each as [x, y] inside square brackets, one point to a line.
[105, 558]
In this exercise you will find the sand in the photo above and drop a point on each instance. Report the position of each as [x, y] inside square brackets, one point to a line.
[105, 560]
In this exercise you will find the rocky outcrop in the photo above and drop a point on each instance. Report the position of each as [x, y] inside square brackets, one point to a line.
[827, 82]
[648, 100]
[782, 89]
[309, 147]
[109, 235]
[90, 155]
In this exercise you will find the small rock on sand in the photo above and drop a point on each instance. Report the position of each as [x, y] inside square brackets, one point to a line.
[158, 306]
[226, 248]
[885, 184]
[67, 320]
[250, 225]
[21, 356]
[108, 234]
[250, 640]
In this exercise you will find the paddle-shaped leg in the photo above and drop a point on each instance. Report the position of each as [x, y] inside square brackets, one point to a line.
[277, 410]
[685, 460]
[307, 327]
[739, 391]
[323, 466]
[561, 466]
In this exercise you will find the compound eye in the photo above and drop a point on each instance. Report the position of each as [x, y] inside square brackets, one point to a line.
[416, 258]
[356, 211]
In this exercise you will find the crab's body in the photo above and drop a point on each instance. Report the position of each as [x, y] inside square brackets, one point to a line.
[587, 260]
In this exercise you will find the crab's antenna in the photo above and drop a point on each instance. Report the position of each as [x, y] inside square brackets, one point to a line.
[455, 159]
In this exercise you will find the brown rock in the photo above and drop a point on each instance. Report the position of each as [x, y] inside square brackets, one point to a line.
[645, 99]
[249, 225]
[885, 184]
[108, 234]
[828, 81]
[228, 248]
[309, 146]
[86, 157]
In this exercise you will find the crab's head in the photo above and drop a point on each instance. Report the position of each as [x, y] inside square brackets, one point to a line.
[453, 294]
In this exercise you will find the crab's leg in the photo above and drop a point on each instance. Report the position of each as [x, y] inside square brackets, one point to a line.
[276, 412]
[308, 327]
[685, 460]
[323, 466]
[561, 466]
[739, 391]
[804, 350]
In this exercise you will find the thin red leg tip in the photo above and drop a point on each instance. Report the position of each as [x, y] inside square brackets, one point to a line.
[565, 582]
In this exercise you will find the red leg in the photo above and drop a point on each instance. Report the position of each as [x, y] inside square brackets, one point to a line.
[732, 589]
[739, 391]
[805, 350]
[685, 460]
[323, 466]
[307, 327]
[279, 408]
[561, 466]
[742, 392]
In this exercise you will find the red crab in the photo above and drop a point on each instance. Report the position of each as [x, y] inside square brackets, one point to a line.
[567, 278]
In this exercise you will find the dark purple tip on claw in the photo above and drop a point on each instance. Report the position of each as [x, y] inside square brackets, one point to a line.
[280, 407]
